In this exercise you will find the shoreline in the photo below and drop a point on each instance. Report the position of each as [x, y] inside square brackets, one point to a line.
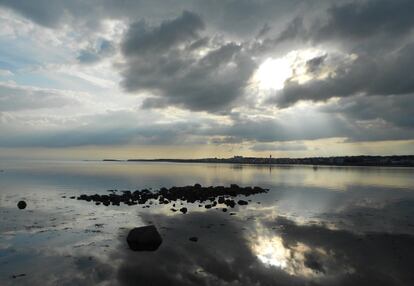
[346, 161]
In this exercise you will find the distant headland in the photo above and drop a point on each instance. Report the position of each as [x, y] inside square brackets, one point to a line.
[384, 161]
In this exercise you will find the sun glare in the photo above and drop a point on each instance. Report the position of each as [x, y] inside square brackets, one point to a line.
[273, 73]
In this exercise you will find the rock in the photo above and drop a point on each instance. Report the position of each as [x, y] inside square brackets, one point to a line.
[189, 194]
[183, 210]
[144, 238]
[193, 239]
[21, 205]
[230, 203]
[242, 203]
[224, 210]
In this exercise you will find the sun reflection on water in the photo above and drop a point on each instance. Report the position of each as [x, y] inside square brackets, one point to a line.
[271, 251]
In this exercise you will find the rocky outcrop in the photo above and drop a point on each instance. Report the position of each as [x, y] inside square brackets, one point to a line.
[209, 196]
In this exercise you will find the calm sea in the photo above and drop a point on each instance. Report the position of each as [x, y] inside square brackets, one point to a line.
[316, 226]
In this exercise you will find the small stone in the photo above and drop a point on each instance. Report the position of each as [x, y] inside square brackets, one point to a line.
[242, 203]
[21, 205]
[183, 210]
[193, 239]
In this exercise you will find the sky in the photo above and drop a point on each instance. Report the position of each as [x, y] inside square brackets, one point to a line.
[205, 78]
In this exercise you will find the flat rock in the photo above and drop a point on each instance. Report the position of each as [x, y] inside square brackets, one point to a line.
[144, 238]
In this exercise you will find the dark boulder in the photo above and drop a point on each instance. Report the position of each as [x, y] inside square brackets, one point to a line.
[21, 205]
[183, 210]
[144, 238]
[242, 203]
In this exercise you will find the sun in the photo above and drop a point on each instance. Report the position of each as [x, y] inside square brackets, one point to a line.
[272, 73]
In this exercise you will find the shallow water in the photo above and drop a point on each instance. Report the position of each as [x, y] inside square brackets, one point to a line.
[316, 226]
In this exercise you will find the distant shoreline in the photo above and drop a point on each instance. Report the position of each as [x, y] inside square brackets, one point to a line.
[377, 161]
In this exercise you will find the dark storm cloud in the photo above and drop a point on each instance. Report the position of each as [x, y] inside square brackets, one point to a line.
[141, 39]
[43, 12]
[202, 60]
[165, 60]
[354, 20]
[363, 19]
[53, 14]
[377, 32]
[236, 17]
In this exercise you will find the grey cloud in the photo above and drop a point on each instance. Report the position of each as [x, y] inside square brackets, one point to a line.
[353, 20]
[123, 128]
[330, 121]
[314, 65]
[14, 98]
[286, 128]
[103, 48]
[247, 17]
[165, 60]
[141, 39]
[241, 18]
[376, 117]
[155, 134]
[88, 14]
[362, 19]
[279, 147]
[385, 75]
[47, 13]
